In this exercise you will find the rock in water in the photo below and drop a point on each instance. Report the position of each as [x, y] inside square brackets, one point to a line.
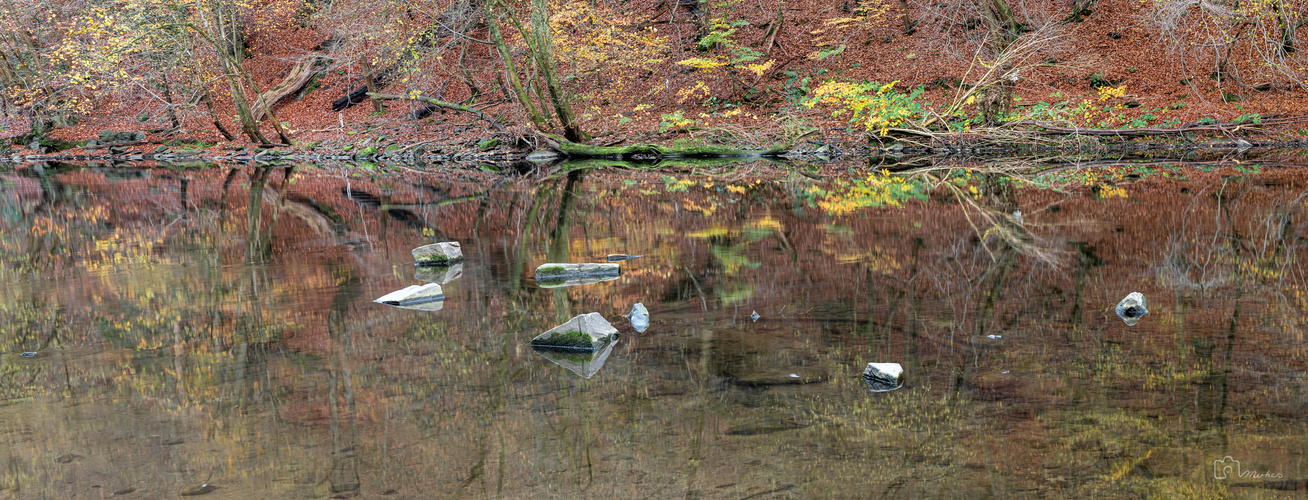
[583, 363]
[755, 316]
[567, 271]
[555, 275]
[585, 332]
[883, 377]
[1132, 308]
[427, 297]
[619, 257]
[203, 489]
[639, 317]
[439, 274]
[438, 254]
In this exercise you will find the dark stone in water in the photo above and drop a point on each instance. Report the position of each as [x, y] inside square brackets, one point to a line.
[124, 491]
[203, 489]
[617, 257]
[67, 458]
[28, 355]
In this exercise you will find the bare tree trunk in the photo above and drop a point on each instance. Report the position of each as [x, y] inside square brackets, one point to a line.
[997, 100]
[168, 99]
[213, 115]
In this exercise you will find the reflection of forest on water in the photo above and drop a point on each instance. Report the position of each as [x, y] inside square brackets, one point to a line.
[184, 339]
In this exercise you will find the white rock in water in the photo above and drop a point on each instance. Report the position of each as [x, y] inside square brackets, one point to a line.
[583, 332]
[427, 297]
[555, 271]
[755, 316]
[1131, 308]
[639, 317]
[882, 377]
[439, 274]
[584, 363]
[438, 254]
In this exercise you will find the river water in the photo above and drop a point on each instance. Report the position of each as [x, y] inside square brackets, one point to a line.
[213, 331]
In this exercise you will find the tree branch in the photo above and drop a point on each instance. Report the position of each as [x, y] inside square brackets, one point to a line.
[443, 104]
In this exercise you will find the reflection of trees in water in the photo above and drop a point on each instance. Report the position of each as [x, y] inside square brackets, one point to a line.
[295, 369]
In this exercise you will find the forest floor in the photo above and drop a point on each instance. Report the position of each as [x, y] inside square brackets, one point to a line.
[672, 104]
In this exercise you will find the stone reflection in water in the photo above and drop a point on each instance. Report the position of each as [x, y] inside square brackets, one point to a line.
[584, 363]
[883, 377]
[427, 297]
[1132, 308]
[439, 274]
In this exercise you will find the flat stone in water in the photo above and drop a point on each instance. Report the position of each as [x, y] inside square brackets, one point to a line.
[28, 355]
[566, 271]
[427, 297]
[619, 257]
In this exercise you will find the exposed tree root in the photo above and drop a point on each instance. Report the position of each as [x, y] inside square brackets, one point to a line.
[299, 76]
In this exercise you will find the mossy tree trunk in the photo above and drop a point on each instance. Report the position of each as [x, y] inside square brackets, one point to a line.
[552, 100]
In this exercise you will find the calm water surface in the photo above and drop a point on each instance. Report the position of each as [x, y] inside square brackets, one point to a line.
[217, 327]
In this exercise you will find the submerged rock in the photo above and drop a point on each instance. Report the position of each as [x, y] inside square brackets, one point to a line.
[427, 297]
[439, 274]
[583, 363]
[203, 489]
[619, 257]
[1131, 308]
[754, 316]
[639, 317]
[438, 254]
[583, 332]
[883, 377]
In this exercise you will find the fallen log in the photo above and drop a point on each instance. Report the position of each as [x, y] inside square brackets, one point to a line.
[300, 75]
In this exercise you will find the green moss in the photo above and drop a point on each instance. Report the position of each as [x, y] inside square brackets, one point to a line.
[434, 260]
[550, 271]
[571, 338]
